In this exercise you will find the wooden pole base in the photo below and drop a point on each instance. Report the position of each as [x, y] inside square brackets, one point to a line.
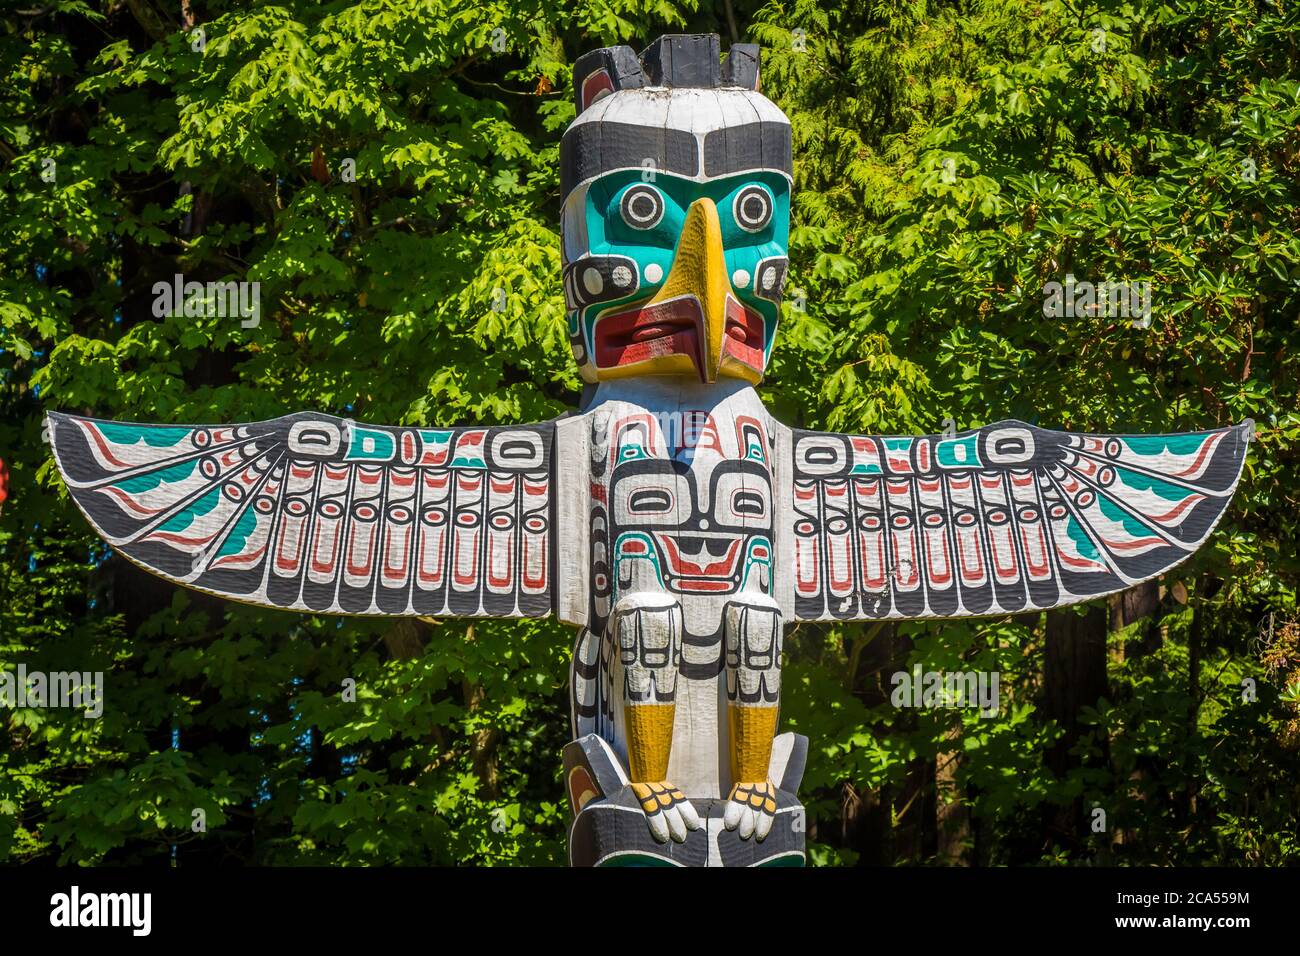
[609, 828]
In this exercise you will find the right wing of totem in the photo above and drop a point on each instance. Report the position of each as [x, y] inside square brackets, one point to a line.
[1005, 519]
[315, 513]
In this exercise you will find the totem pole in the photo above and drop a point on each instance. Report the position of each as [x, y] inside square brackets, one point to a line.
[673, 521]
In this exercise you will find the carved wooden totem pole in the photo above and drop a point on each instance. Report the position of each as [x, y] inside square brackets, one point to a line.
[673, 521]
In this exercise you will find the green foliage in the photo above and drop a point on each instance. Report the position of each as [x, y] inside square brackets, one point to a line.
[950, 160]
[953, 160]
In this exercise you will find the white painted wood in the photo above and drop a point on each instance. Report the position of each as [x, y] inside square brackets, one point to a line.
[783, 533]
[572, 542]
[667, 416]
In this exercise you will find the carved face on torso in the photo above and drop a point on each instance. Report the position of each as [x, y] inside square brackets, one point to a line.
[676, 221]
[682, 501]
[712, 523]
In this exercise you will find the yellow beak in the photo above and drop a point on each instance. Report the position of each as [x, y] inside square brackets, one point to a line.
[700, 269]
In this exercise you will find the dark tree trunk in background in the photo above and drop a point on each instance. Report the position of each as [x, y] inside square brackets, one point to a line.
[913, 806]
[1143, 604]
[865, 824]
[406, 638]
[1074, 677]
[866, 814]
[927, 808]
[1195, 637]
[138, 596]
[909, 813]
[952, 813]
[981, 839]
[1139, 603]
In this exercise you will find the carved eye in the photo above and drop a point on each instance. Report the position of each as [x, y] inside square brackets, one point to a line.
[642, 206]
[752, 208]
[650, 501]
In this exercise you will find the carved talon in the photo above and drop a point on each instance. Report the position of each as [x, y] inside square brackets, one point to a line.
[752, 808]
[667, 811]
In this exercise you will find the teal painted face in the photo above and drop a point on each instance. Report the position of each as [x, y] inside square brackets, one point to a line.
[668, 275]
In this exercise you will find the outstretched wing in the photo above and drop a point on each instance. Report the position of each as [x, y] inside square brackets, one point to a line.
[316, 513]
[1004, 519]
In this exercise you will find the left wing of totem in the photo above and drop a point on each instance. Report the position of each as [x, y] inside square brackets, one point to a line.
[1005, 519]
[314, 513]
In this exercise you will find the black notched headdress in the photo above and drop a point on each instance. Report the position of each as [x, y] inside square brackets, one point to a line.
[675, 61]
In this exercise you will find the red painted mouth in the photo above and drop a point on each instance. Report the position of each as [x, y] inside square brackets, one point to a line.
[676, 327]
[700, 569]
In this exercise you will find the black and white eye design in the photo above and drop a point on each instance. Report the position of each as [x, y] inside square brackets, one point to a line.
[642, 206]
[748, 504]
[752, 208]
[771, 277]
[650, 501]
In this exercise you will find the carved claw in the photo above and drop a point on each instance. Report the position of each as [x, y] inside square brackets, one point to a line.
[751, 807]
[667, 811]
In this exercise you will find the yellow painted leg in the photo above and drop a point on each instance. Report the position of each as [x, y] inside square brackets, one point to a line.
[754, 632]
[649, 740]
[649, 743]
[751, 806]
